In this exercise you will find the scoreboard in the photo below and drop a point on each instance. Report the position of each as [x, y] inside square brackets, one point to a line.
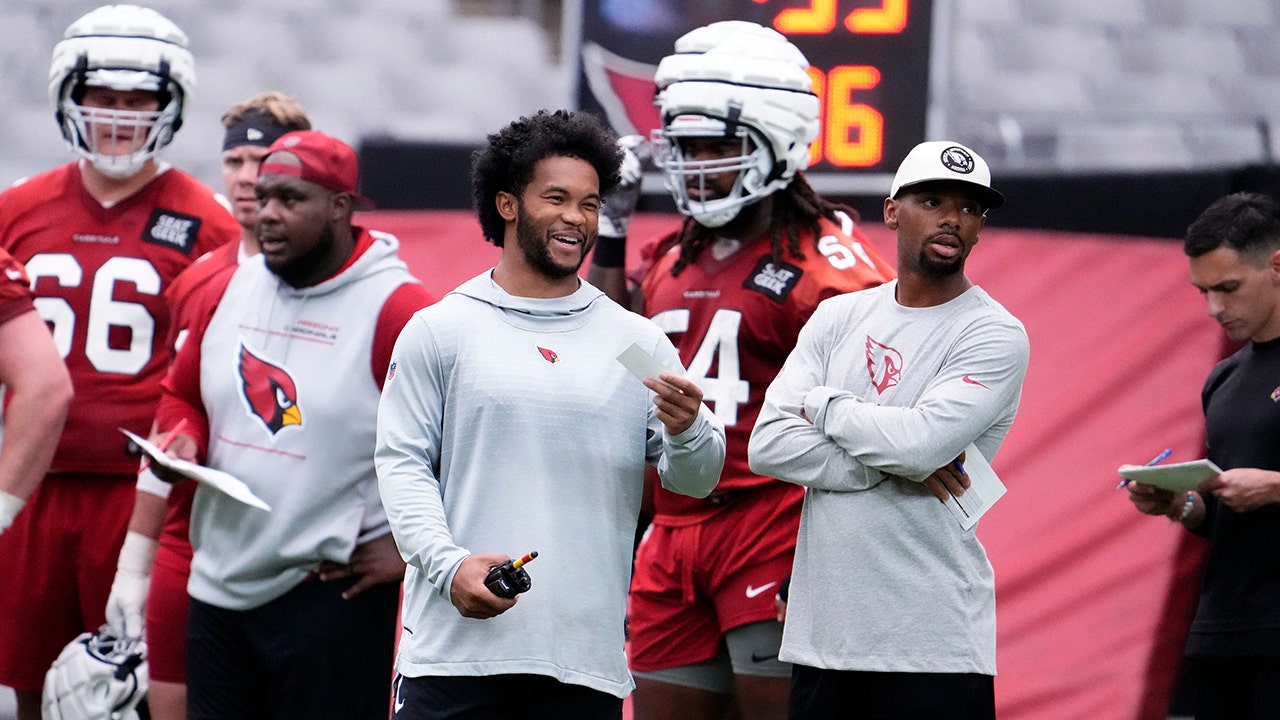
[869, 60]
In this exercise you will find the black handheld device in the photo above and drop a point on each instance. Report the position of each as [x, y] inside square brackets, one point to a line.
[510, 578]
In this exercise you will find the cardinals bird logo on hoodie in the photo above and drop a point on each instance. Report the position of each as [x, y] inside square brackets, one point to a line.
[268, 392]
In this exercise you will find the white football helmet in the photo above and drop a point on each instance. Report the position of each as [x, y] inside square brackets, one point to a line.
[749, 86]
[699, 40]
[122, 47]
[98, 676]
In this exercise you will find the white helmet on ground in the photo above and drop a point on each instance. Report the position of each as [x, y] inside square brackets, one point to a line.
[98, 676]
[122, 47]
[752, 86]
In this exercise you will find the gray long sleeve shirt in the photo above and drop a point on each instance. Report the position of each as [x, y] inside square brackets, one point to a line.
[885, 579]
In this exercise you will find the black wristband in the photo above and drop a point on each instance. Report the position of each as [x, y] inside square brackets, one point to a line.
[610, 252]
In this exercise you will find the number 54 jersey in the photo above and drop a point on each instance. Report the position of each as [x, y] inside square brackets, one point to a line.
[735, 314]
[99, 275]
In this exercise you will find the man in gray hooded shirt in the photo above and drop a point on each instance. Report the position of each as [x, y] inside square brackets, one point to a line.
[508, 425]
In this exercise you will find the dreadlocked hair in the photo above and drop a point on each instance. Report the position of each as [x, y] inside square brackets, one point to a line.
[796, 210]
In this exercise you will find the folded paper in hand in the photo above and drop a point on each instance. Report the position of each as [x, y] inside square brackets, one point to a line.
[227, 483]
[1178, 477]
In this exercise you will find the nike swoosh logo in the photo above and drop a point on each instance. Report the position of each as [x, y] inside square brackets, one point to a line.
[971, 381]
[399, 703]
[761, 658]
[753, 592]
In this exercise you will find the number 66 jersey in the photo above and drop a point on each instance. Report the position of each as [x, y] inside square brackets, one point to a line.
[734, 315]
[99, 275]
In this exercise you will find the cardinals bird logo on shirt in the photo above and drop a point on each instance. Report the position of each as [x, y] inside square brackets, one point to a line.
[268, 392]
[884, 364]
[548, 355]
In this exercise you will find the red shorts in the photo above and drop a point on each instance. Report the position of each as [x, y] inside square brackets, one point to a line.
[167, 603]
[58, 561]
[693, 583]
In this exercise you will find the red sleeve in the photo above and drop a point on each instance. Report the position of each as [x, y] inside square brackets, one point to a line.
[180, 396]
[650, 250]
[396, 311]
[188, 283]
[15, 288]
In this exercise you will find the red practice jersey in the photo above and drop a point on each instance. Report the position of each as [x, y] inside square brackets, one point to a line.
[186, 312]
[15, 288]
[99, 276]
[183, 313]
[735, 316]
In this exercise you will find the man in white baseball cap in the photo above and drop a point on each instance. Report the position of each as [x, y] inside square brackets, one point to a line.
[876, 406]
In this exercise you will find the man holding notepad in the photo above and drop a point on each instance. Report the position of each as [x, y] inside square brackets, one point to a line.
[1234, 643]
[892, 601]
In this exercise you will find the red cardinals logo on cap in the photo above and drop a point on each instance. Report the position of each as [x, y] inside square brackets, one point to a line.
[884, 364]
[268, 392]
[548, 355]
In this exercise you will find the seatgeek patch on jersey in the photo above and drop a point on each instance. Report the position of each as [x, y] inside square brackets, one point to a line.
[174, 230]
[774, 280]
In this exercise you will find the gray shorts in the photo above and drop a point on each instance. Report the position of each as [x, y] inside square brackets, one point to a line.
[751, 650]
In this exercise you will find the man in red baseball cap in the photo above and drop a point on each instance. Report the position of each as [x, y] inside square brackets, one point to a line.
[278, 384]
[306, 161]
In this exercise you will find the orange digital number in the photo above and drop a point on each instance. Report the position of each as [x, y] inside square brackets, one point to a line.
[889, 18]
[852, 133]
[819, 18]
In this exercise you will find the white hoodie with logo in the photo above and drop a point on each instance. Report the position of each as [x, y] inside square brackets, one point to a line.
[268, 348]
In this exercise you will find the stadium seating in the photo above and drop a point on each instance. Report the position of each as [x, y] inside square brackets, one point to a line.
[1043, 86]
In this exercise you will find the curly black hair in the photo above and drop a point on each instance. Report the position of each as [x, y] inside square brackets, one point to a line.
[506, 163]
[796, 209]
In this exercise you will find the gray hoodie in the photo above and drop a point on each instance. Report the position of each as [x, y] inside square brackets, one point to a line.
[507, 425]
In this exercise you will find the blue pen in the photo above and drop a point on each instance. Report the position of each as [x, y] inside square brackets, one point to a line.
[1154, 461]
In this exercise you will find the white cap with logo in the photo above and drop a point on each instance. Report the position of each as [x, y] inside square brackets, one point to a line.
[939, 160]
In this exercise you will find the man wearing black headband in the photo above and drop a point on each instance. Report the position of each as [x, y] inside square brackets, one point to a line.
[153, 594]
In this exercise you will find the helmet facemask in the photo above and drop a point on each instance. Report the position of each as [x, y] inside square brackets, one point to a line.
[689, 180]
[749, 85]
[96, 133]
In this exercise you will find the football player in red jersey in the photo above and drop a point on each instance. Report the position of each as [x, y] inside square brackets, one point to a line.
[101, 238]
[757, 252]
[151, 577]
[38, 388]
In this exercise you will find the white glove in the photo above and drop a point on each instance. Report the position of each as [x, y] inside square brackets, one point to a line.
[128, 600]
[10, 506]
[149, 483]
[615, 213]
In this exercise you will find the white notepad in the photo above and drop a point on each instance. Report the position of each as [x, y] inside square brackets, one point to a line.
[1178, 477]
[225, 482]
[984, 490]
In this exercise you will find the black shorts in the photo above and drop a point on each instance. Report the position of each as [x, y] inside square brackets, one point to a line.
[500, 697]
[848, 695]
[1235, 687]
[308, 654]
